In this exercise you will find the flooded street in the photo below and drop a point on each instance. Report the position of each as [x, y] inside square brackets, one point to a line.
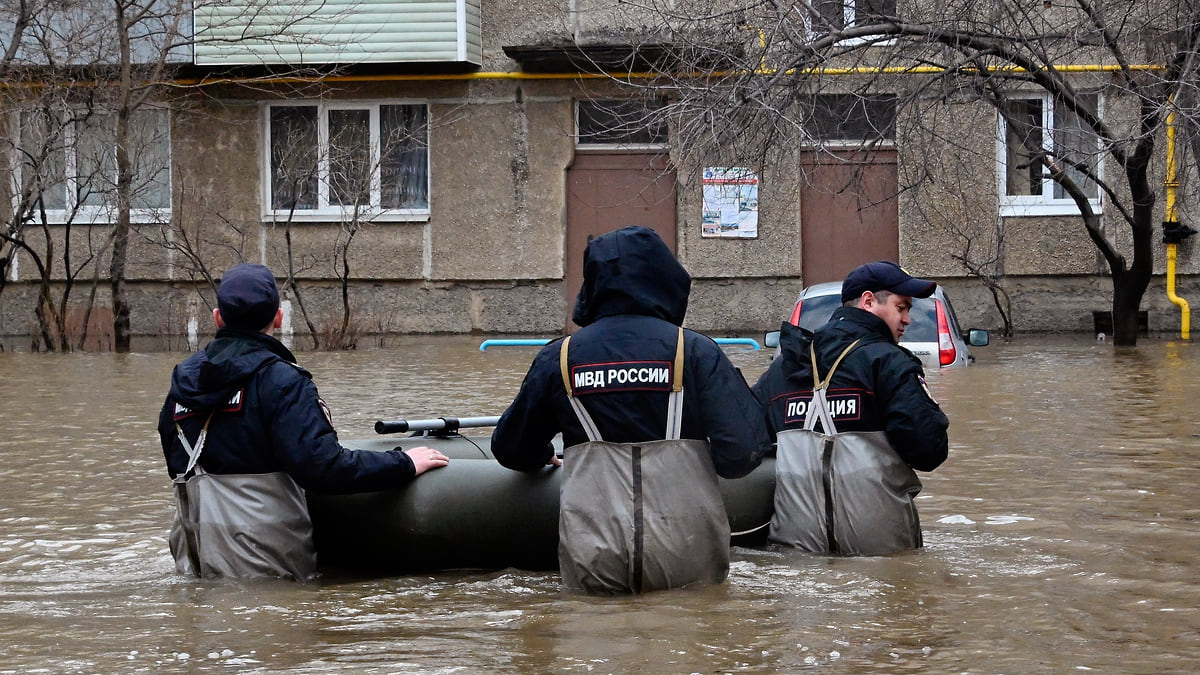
[1063, 534]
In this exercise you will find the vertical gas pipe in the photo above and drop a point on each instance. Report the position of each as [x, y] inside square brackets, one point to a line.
[1173, 232]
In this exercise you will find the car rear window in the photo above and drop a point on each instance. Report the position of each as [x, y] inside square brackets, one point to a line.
[924, 322]
[816, 310]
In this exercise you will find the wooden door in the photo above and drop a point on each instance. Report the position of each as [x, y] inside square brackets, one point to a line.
[848, 213]
[608, 191]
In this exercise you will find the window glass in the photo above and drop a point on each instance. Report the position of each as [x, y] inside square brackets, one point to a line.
[327, 158]
[1023, 144]
[627, 122]
[923, 318]
[71, 158]
[1076, 145]
[833, 13]
[150, 134]
[294, 157]
[1034, 128]
[95, 158]
[404, 165]
[853, 117]
[350, 157]
[838, 14]
[42, 157]
[817, 309]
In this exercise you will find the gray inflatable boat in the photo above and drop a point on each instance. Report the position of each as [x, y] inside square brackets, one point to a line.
[474, 513]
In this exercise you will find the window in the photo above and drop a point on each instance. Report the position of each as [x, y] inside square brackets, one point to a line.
[337, 160]
[68, 160]
[1031, 128]
[624, 123]
[841, 14]
[852, 118]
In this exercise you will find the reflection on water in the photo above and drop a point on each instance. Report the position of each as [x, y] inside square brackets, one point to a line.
[1061, 535]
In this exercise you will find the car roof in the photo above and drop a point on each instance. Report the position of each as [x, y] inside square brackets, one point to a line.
[826, 288]
[835, 288]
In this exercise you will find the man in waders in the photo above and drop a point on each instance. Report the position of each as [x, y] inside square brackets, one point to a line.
[650, 415]
[245, 433]
[851, 431]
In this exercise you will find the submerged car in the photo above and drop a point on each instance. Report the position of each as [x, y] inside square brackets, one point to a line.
[933, 335]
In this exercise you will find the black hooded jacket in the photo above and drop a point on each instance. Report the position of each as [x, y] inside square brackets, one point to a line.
[633, 298]
[268, 418]
[879, 386]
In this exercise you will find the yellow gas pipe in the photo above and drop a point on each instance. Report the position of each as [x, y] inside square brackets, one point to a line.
[1171, 183]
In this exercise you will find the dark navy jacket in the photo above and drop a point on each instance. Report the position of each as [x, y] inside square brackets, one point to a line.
[269, 418]
[633, 299]
[879, 386]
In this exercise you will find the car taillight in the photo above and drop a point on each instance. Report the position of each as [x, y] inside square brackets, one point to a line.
[946, 351]
[795, 320]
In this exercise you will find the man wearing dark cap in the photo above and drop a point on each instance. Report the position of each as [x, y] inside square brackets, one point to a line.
[850, 433]
[245, 433]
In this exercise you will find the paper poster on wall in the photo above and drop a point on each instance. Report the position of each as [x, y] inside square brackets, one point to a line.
[730, 203]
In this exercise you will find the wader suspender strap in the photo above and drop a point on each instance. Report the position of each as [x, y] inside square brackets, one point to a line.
[674, 402]
[193, 452]
[192, 542]
[589, 427]
[821, 408]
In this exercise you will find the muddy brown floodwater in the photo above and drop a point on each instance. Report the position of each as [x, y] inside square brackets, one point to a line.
[1063, 534]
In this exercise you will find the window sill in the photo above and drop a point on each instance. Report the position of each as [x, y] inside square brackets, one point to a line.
[1035, 209]
[88, 216]
[339, 216]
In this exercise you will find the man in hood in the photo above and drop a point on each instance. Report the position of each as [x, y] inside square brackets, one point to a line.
[650, 414]
[852, 492]
[245, 433]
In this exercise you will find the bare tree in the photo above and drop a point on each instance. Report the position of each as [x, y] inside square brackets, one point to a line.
[1081, 88]
[357, 174]
[103, 74]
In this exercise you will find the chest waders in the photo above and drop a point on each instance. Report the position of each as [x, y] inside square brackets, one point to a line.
[638, 517]
[239, 525]
[845, 494]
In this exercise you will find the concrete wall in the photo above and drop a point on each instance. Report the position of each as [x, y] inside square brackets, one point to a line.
[489, 259]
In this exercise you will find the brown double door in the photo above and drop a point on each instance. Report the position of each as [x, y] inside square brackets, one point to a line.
[848, 209]
[848, 212]
[608, 191]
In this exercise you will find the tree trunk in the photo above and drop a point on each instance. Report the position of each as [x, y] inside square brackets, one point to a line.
[121, 324]
[116, 275]
[1127, 300]
[1129, 286]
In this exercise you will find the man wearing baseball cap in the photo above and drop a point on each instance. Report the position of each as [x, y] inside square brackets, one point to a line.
[245, 433]
[850, 431]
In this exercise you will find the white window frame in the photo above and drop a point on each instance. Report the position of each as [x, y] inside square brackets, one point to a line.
[850, 17]
[324, 211]
[1044, 204]
[92, 214]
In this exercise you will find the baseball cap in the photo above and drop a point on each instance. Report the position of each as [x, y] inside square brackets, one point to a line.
[247, 297]
[884, 276]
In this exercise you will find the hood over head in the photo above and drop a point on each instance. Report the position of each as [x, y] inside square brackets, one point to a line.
[631, 271]
[211, 376]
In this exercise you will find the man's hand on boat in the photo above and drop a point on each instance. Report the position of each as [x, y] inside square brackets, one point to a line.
[424, 459]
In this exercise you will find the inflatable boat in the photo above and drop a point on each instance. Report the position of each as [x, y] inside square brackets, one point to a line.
[474, 513]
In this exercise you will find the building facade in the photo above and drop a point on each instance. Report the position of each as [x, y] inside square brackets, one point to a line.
[437, 167]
